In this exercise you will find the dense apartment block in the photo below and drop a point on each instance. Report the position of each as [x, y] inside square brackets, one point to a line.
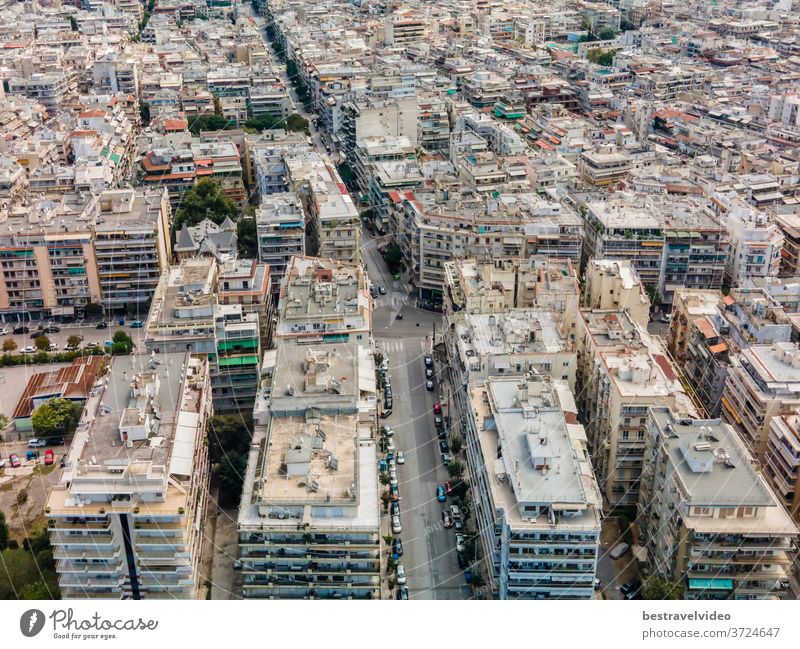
[281, 231]
[709, 521]
[537, 504]
[124, 516]
[622, 371]
[611, 284]
[763, 382]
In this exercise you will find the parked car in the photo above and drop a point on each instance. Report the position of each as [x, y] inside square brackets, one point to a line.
[448, 488]
[402, 593]
[444, 447]
[597, 583]
[393, 477]
[458, 525]
[447, 520]
[63, 460]
[429, 385]
[437, 408]
[619, 550]
[394, 491]
[387, 391]
[36, 443]
[446, 458]
[390, 445]
[428, 360]
[93, 345]
[428, 373]
[53, 347]
[32, 455]
[460, 543]
[462, 560]
[381, 290]
[394, 509]
[630, 586]
[437, 421]
[392, 467]
[401, 574]
[2, 463]
[29, 349]
[440, 495]
[52, 329]
[37, 333]
[455, 512]
[14, 459]
[396, 526]
[401, 459]
[387, 430]
[137, 324]
[373, 292]
[5, 329]
[21, 330]
[386, 413]
[70, 348]
[49, 457]
[101, 325]
[388, 403]
[56, 441]
[397, 549]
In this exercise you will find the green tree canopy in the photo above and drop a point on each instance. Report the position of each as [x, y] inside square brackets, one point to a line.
[122, 343]
[393, 257]
[74, 341]
[600, 56]
[9, 345]
[659, 587]
[230, 476]
[205, 200]
[3, 532]
[247, 236]
[57, 415]
[210, 123]
[606, 34]
[42, 343]
[229, 434]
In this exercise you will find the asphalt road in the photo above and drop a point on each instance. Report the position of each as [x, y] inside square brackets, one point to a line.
[429, 550]
[90, 333]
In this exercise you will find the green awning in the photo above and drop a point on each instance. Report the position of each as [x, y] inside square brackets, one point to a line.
[226, 345]
[711, 584]
[115, 158]
[238, 360]
[335, 338]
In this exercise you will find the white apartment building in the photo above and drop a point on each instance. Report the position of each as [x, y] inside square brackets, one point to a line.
[281, 231]
[707, 518]
[537, 504]
[782, 460]
[125, 518]
[763, 382]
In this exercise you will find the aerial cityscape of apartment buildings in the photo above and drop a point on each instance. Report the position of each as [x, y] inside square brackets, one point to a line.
[369, 300]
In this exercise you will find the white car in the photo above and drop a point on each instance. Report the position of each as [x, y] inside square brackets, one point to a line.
[392, 466]
[401, 574]
[392, 477]
[390, 446]
[36, 443]
[53, 347]
[401, 459]
[387, 431]
[30, 349]
[396, 527]
[5, 330]
[460, 544]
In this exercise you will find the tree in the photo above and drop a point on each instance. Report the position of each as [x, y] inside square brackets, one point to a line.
[9, 345]
[93, 310]
[455, 469]
[74, 341]
[57, 415]
[229, 434]
[3, 532]
[606, 34]
[3, 422]
[73, 23]
[230, 476]
[42, 343]
[393, 257]
[247, 237]
[144, 113]
[210, 123]
[659, 587]
[653, 294]
[122, 343]
[384, 478]
[455, 445]
[263, 123]
[296, 122]
[205, 200]
[600, 56]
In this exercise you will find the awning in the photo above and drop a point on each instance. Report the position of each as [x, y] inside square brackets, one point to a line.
[711, 584]
[730, 409]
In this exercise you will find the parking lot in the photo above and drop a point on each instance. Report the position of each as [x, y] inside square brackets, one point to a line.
[89, 332]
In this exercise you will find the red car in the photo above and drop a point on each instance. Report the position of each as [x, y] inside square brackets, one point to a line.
[437, 408]
[14, 459]
[448, 486]
[48, 456]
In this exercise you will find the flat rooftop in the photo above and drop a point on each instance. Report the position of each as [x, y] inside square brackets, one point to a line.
[778, 363]
[544, 461]
[609, 327]
[519, 331]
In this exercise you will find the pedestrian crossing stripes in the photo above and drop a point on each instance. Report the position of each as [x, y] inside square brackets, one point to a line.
[401, 344]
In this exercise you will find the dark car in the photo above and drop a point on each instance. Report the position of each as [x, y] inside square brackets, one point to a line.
[381, 290]
[395, 492]
[387, 392]
[429, 385]
[437, 421]
[394, 509]
[440, 433]
[63, 460]
[428, 373]
[444, 447]
[402, 593]
[37, 333]
[386, 413]
[21, 330]
[56, 441]
[102, 325]
[52, 329]
[632, 586]
[387, 404]
[428, 360]
[448, 488]
[397, 548]
[462, 560]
